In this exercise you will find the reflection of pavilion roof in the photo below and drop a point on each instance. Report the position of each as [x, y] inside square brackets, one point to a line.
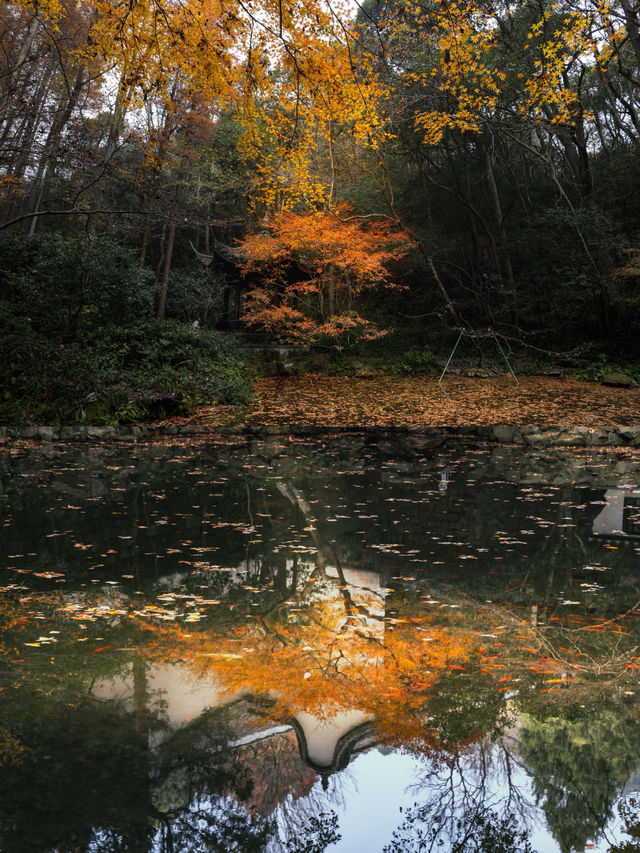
[173, 690]
[328, 745]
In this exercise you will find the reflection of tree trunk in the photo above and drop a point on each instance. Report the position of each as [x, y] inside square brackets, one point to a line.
[297, 499]
[140, 697]
[326, 554]
[138, 841]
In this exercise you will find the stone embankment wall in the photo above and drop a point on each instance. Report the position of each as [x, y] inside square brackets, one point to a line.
[526, 436]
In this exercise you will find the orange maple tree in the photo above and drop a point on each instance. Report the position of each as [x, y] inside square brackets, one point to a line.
[312, 268]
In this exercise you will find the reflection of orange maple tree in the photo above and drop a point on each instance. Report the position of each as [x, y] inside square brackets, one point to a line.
[313, 267]
[325, 662]
[429, 680]
[12, 619]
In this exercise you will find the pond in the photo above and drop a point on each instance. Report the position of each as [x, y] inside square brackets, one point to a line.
[345, 643]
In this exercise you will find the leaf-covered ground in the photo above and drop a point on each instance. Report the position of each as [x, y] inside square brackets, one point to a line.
[419, 401]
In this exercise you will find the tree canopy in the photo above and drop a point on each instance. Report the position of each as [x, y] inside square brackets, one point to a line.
[273, 163]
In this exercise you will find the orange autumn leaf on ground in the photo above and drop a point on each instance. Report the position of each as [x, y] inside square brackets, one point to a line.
[401, 401]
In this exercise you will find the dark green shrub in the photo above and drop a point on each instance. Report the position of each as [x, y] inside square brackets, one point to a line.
[149, 369]
[340, 364]
[418, 360]
[77, 344]
[595, 371]
[66, 283]
[196, 294]
[159, 368]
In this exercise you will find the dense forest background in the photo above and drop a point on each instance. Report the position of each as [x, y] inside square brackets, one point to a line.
[310, 174]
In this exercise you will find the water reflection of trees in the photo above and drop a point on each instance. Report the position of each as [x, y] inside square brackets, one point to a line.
[579, 767]
[177, 787]
[422, 652]
[479, 830]
[87, 779]
[461, 808]
[309, 824]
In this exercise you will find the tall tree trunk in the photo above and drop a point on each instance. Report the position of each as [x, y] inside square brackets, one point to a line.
[166, 267]
[145, 245]
[51, 146]
[12, 76]
[116, 122]
[238, 297]
[504, 258]
[25, 142]
[574, 142]
[632, 26]
[331, 292]
[226, 323]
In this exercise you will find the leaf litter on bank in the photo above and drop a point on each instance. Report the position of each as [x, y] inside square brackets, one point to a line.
[419, 401]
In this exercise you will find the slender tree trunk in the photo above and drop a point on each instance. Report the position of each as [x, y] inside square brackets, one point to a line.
[145, 245]
[9, 83]
[115, 124]
[238, 294]
[50, 149]
[633, 29]
[137, 835]
[25, 142]
[225, 307]
[506, 267]
[207, 232]
[331, 292]
[166, 267]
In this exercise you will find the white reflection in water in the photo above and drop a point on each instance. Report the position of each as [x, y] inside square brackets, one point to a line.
[368, 798]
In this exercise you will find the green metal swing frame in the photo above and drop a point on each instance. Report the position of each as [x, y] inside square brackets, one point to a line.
[472, 335]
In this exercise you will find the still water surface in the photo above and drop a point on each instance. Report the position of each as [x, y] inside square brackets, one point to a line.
[348, 644]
